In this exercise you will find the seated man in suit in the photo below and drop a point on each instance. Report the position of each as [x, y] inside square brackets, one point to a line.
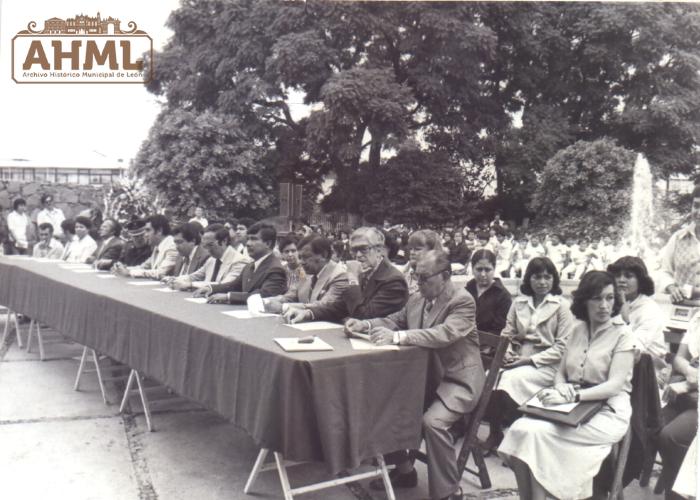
[161, 263]
[110, 247]
[224, 265]
[265, 275]
[191, 254]
[318, 296]
[136, 250]
[441, 317]
[377, 288]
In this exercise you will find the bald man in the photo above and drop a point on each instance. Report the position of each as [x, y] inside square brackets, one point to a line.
[441, 317]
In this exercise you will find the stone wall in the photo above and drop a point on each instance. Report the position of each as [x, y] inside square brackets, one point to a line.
[71, 198]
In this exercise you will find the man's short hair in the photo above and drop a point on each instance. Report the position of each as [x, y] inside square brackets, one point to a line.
[68, 226]
[44, 226]
[190, 232]
[116, 227]
[223, 237]
[373, 235]
[267, 232]
[318, 245]
[160, 223]
[46, 197]
[18, 202]
[439, 260]
[425, 237]
[84, 221]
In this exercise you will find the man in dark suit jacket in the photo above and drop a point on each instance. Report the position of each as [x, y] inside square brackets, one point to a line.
[191, 256]
[265, 275]
[110, 247]
[440, 317]
[377, 288]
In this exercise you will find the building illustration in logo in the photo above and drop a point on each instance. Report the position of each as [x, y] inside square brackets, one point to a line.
[82, 25]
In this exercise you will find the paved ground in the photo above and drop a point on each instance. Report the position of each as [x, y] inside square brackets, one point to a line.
[60, 444]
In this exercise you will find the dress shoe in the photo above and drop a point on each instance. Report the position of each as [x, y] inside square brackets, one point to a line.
[398, 480]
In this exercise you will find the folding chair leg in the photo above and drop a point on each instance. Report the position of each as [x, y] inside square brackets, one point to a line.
[129, 384]
[76, 386]
[6, 331]
[484, 478]
[284, 480]
[259, 462]
[144, 402]
[40, 339]
[30, 335]
[385, 477]
[95, 360]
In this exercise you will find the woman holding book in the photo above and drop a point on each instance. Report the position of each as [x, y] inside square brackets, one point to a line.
[539, 322]
[559, 460]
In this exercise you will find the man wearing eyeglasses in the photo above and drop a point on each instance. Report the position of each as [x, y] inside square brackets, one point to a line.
[376, 288]
[441, 317]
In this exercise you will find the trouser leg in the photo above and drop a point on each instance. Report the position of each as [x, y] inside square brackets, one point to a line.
[443, 476]
[674, 440]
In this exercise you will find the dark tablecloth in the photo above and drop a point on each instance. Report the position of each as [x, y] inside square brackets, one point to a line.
[338, 407]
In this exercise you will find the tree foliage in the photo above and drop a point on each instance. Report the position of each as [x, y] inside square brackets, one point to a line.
[451, 75]
[203, 158]
[581, 189]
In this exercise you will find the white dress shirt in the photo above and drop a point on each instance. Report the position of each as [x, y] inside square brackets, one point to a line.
[80, 249]
[54, 217]
[17, 224]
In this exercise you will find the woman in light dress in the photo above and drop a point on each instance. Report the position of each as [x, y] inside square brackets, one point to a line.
[538, 322]
[552, 459]
[641, 312]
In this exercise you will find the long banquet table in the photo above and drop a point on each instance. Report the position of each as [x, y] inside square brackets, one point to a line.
[337, 407]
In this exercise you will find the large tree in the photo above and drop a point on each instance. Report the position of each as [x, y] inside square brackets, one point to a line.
[454, 76]
[582, 189]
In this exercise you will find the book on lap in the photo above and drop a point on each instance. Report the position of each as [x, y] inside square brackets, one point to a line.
[571, 414]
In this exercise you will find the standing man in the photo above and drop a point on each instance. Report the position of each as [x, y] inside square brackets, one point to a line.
[162, 260]
[440, 317]
[681, 255]
[50, 214]
[199, 217]
[110, 247]
[376, 288]
[48, 247]
[18, 224]
[265, 275]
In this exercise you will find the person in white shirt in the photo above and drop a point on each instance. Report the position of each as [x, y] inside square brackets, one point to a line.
[82, 248]
[18, 224]
[556, 251]
[50, 214]
[641, 312]
[162, 261]
[48, 247]
[199, 217]
[224, 265]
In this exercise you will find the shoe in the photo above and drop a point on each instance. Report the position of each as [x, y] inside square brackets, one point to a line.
[492, 442]
[398, 480]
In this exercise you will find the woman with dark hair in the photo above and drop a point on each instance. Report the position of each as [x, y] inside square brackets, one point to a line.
[559, 460]
[640, 311]
[83, 245]
[492, 299]
[290, 260]
[459, 252]
[539, 322]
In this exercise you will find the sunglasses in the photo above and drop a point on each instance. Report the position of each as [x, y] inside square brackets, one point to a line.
[363, 249]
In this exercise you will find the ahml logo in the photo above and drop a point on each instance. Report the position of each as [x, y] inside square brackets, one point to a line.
[81, 49]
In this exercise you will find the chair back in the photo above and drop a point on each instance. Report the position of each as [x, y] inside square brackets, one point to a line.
[492, 358]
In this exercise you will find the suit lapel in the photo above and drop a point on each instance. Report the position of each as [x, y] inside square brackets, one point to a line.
[440, 304]
[324, 277]
[255, 277]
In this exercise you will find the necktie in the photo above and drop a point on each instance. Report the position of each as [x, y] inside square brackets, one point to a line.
[217, 266]
[185, 266]
[364, 278]
[314, 280]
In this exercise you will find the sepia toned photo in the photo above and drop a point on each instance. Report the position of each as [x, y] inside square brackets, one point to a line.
[349, 250]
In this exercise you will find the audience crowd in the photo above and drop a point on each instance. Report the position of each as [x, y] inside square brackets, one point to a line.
[437, 289]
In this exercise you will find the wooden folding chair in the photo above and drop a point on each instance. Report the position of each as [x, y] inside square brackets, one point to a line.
[619, 454]
[492, 359]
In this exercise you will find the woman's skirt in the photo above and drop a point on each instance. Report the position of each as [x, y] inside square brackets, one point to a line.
[523, 382]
